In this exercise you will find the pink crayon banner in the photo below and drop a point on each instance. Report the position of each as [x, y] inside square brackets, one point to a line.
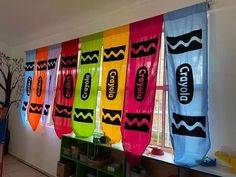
[145, 39]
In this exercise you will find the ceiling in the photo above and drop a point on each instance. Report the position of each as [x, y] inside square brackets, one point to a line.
[26, 20]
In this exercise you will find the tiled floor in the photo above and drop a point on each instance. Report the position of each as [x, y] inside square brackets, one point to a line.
[14, 168]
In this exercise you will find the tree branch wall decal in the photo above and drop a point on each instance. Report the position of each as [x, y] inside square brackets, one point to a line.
[11, 82]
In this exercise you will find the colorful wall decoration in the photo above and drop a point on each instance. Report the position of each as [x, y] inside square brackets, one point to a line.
[130, 56]
[53, 57]
[115, 55]
[38, 88]
[186, 51]
[145, 40]
[64, 98]
[29, 73]
[84, 108]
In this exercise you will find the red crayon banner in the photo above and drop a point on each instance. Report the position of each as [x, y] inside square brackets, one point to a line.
[64, 96]
[38, 88]
[145, 40]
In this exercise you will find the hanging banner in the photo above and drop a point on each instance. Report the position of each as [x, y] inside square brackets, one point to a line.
[145, 40]
[38, 88]
[53, 56]
[115, 55]
[186, 49]
[29, 73]
[64, 97]
[84, 107]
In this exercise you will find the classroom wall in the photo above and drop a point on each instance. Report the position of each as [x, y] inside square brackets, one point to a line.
[41, 148]
[222, 85]
[4, 48]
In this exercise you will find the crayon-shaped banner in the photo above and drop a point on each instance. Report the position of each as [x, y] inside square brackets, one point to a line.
[64, 97]
[115, 55]
[84, 107]
[145, 40]
[186, 52]
[53, 57]
[37, 93]
[29, 73]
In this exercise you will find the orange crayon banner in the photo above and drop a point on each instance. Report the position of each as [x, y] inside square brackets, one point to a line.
[38, 88]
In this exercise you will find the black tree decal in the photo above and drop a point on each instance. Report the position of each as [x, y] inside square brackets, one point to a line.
[11, 81]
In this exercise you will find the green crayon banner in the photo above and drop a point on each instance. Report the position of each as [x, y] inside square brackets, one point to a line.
[84, 108]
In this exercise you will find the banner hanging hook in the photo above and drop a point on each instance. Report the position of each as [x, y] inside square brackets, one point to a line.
[209, 2]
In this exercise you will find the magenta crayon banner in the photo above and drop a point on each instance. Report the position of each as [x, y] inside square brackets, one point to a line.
[145, 39]
[53, 57]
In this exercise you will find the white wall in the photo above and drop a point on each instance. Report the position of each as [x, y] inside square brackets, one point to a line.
[4, 48]
[222, 83]
[41, 148]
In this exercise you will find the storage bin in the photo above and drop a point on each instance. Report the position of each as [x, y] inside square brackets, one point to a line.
[64, 168]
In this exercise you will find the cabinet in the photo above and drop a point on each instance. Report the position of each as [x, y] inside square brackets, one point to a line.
[91, 158]
[156, 168]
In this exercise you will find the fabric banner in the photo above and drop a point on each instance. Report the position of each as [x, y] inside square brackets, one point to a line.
[186, 48]
[115, 55]
[145, 40]
[38, 88]
[29, 73]
[53, 55]
[84, 107]
[64, 98]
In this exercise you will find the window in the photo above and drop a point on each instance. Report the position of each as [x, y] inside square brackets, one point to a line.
[160, 128]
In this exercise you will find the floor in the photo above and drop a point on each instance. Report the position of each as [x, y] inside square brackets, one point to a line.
[14, 168]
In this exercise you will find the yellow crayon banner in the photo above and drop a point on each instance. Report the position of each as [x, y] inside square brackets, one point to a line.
[115, 55]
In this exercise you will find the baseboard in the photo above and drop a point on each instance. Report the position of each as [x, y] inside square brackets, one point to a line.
[32, 166]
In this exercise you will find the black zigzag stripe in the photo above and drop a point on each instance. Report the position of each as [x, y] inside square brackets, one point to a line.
[42, 65]
[140, 116]
[89, 57]
[52, 63]
[36, 108]
[190, 121]
[196, 132]
[29, 66]
[46, 109]
[69, 62]
[83, 118]
[109, 53]
[63, 111]
[109, 121]
[144, 48]
[24, 106]
[185, 38]
[113, 113]
[135, 127]
[136, 119]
